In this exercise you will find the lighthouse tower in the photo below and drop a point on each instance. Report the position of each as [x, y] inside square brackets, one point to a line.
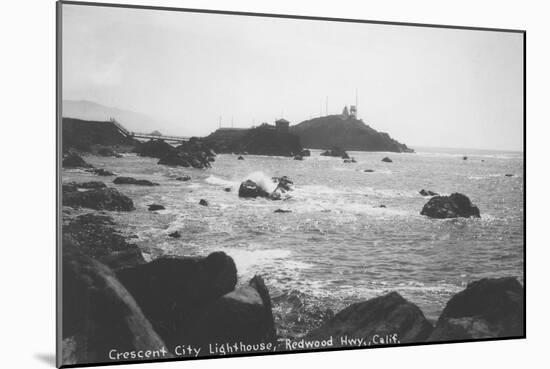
[353, 111]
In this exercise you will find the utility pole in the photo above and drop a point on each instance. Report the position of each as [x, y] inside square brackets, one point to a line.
[356, 101]
[326, 106]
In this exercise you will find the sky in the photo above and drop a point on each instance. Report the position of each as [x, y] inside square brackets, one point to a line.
[424, 86]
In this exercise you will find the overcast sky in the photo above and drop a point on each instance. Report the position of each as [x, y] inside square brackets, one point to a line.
[424, 86]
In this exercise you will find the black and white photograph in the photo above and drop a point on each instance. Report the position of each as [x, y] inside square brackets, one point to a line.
[235, 184]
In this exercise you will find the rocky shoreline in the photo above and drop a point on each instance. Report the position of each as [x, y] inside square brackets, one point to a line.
[109, 288]
[114, 298]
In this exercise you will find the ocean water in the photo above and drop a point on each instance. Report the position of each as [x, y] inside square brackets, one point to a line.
[337, 246]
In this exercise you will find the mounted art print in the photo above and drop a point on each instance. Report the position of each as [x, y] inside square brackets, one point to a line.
[234, 184]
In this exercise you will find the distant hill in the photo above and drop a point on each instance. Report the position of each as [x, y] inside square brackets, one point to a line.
[89, 110]
[346, 133]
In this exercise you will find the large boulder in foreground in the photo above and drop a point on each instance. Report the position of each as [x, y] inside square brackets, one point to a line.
[75, 161]
[488, 308]
[243, 315]
[174, 291]
[385, 316]
[453, 206]
[98, 313]
[98, 199]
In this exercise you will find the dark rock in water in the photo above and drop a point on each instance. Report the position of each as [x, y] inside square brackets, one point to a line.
[368, 171]
[353, 160]
[133, 181]
[75, 161]
[382, 206]
[186, 160]
[173, 292]
[154, 207]
[284, 183]
[189, 154]
[240, 158]
[175, 160]
[98, 199]
[227, 189]
[305, 152]
[487, 308]
[154, 149]
[250, 189]
[337, 152]
[347, 161]
[298, 157]
[96, 236]
[509, 175]
[194, 153]
[464, 158]
[108, 151]
[100, 172]
[175, 234]
[183, 178]
[386, 316]
[454, 206]
[99, 314]
[387, 160]
[282, 211]
[243, 315]
[424, 192]
[74, 186]
[91, 185]
[203, 202]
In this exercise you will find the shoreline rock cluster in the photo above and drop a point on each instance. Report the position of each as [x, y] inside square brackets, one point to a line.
[175, 299]
[195, 153]
[250, 189]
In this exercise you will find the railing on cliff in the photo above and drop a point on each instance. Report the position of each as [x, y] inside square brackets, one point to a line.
[128, 133]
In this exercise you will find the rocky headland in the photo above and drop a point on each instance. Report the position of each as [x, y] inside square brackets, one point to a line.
[346, 133]
[263, 140]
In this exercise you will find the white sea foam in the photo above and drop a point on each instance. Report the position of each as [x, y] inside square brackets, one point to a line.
[486, 176]
[262, 180]
[250, 260]
[217, 181]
